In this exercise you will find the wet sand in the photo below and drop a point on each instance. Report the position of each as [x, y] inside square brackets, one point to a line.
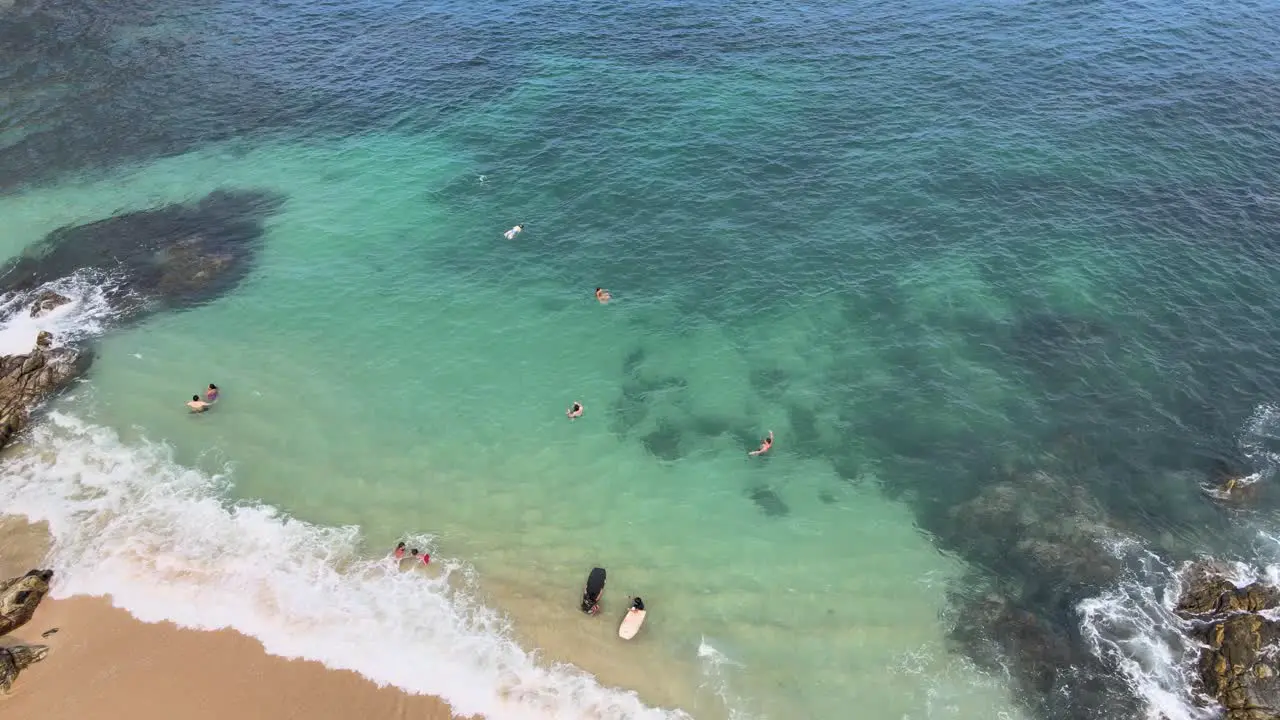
[104, 664]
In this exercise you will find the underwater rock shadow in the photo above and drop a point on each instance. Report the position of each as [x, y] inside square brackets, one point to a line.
[172, 257]
[769, 501]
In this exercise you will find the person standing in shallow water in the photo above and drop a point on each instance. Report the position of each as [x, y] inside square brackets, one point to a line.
[197, 405]
[211, 395]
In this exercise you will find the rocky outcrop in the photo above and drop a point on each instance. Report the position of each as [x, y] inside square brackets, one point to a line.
[28, 380]
[19, 598]
[16, 658]
[46, 302]
[1239, 664]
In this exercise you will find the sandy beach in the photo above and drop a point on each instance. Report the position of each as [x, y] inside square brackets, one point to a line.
[104, 664]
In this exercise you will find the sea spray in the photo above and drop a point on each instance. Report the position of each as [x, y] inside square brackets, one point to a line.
[1132, 627]
[162, 540]
[85, 316]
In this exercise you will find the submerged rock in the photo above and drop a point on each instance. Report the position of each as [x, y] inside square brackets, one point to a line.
[176, 255]
[19, 598]
[770, 503]
[16, 658]
[46, 302]
[1238, 661]
[1041, 524]
[28, 380]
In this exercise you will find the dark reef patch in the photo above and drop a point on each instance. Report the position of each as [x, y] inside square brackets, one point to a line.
[665, 442]
[171, 257]
[769, 502]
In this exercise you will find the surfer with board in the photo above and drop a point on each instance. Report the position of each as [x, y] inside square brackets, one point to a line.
[632, 621]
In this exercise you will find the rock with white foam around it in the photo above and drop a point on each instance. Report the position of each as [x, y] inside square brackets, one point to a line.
[28, 380]
[1240, 660]
[46, 302]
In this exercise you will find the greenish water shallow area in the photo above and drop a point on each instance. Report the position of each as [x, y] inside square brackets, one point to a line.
[399, 396]
[944, 252]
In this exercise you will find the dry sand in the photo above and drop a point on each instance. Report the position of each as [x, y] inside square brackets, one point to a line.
[104, 664]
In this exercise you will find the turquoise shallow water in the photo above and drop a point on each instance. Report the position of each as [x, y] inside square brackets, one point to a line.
[921, 244]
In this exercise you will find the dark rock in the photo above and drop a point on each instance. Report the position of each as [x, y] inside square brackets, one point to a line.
[826, 498]
[1058, 678]
[771, 504]
[1041, 525]
[177, 255]
[16, 658]
[19, 598]
[46, 302]
[44, 340]
[28, 380]
[1238, 662]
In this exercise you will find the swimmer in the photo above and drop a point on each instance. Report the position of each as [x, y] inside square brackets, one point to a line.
[399, 553]
[211, 394]
[574, 411]
[197, 405]
[513, 232]
[764, 446]
[426, 557]
[603, 295]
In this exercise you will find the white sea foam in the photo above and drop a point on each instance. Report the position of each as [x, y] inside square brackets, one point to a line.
[1132, 627]
[85, 316]
[716, 667]
[166, 544]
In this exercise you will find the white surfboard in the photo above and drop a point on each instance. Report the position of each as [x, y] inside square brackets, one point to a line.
[631, 624]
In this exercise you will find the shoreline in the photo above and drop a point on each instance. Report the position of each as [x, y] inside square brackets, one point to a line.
[106, 664]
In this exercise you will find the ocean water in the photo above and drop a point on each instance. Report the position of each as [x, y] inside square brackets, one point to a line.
[922, 244]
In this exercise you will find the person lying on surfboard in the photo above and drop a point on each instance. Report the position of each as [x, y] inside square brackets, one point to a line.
[764, 446]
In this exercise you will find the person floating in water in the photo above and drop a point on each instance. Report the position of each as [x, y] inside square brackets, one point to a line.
[513, 232]
[574, 411]
[399, 553]
[764, 446]
[211, 395]
[603, 295]
[197, 405]
[426, 557]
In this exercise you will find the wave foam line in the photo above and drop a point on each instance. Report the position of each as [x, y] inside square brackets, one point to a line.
[165, 544]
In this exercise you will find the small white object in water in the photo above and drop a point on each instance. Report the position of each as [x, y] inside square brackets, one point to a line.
[481, 178]
[138, 355]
